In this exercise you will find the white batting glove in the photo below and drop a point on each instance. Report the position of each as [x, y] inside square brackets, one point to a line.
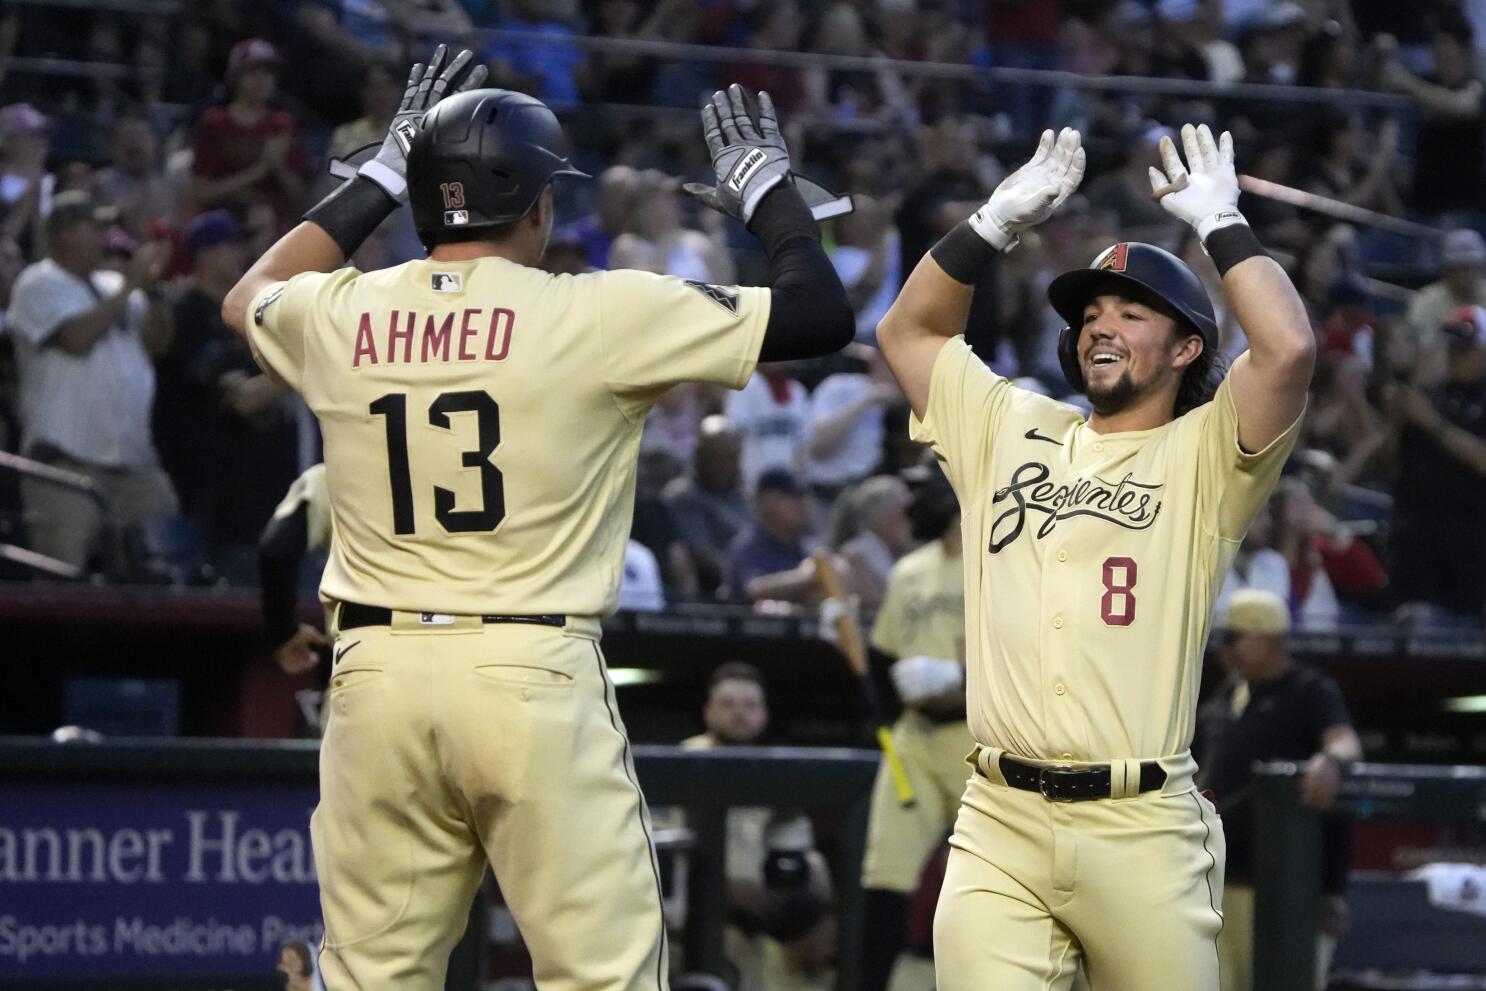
[1029, 195]
[920, 678]
[1206, 197]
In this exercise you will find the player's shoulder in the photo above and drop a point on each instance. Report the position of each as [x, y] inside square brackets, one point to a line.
[917, 561]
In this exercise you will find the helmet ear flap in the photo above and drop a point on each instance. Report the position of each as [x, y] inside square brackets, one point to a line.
[1068, 358]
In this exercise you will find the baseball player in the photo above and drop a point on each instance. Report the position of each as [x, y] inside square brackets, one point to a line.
[481, 420]
[920, 633]
[1094, 551]
[300, 524]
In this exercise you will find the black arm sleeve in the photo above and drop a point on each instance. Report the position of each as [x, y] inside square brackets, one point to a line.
[280, 550]
[809, 314]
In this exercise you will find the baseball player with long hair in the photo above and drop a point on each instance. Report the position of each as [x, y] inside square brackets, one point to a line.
[1094, 551]
[482, 420]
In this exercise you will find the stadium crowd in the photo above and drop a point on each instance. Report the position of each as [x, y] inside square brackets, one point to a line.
[130, 202]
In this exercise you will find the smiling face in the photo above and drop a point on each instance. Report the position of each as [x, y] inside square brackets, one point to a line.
[1129, 349]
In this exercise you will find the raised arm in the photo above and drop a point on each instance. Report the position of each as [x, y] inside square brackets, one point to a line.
[809, 313]
[936, 299]
[1270, 379]
[335, 227]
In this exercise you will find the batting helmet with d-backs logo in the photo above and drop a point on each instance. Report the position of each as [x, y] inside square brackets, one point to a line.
[1143, 272]
[481, 159]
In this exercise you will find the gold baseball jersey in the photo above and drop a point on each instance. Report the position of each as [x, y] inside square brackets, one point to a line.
[923, 612]
[1092, 561]
[481, 419]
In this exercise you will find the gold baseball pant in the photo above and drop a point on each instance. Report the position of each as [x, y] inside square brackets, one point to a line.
[899, 840]
[450, 745]
[1127, 887]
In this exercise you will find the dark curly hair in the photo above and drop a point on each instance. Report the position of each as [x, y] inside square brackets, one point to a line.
[1203, 376]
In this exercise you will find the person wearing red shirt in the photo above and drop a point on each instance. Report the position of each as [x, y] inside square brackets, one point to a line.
[247, 156]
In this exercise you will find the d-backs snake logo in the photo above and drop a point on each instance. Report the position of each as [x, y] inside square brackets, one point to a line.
[1126, 503]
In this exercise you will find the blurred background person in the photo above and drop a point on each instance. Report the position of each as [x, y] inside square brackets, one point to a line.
[774, 542]
[1272, 707]
[85, 344]
[708, 505]
[1440, 495]
[656, 241]
[846, 424]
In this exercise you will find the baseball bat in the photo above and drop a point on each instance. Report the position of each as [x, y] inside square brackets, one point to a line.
[855, 650]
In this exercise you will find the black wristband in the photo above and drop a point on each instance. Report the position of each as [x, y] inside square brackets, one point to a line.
[963, 254]
[352, 212]
[1227, 246]
[782, 216]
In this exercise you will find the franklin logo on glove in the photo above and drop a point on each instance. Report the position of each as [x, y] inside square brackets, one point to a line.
[746, 168]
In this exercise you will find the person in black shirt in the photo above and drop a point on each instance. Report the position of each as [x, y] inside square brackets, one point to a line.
[1440, 499]
[1450, 149]
[1272, 708]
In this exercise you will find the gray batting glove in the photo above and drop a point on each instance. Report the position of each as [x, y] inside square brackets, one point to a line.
[749, 159]
[427, 85]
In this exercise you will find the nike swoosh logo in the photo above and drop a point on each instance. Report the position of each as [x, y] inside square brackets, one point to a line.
[1034, 435]
[345, 650]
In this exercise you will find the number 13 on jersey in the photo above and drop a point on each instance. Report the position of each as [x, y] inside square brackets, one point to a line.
[394, 407]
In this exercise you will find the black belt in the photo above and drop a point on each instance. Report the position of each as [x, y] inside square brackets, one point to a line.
[1062, 783]
[353, 616]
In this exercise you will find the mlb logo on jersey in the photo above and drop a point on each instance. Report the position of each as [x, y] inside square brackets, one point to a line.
[446, 282]
[456, 218]
[1114, 258]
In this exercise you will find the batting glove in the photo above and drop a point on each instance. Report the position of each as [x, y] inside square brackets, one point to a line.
[1204, 193]
[1029, 195]
[920, 678]
[427, 85]
[749, 158]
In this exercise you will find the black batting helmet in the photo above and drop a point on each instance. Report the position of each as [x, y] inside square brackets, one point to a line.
[481, 159]
[1143, 271]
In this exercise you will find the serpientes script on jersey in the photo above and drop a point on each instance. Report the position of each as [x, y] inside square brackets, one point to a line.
[405, 337]
[1126, 503]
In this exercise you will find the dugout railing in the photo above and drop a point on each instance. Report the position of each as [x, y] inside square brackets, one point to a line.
[94, 818]
[1287, 851]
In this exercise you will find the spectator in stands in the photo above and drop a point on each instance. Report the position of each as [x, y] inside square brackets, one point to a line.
[771, 413]
[1127, 190]
[770, 858]
[381, 88]
[549, 67]
[1352, 165]
[247, 153]
[775, 542]
[1449, 168]
[611, 215]
[1257, 564]
[134, 180]
[1272, 707]
[656, 241]
[188, 76]
[1328, 564]
[618, 77]
[844, 429]
[671, 424]
[25, 185]
[708, 506]
[1440, 496]
[851, 94]
[84, 343]
[228, 434]
[777, 26]
[295, 969]
[866, 256]
[640, 586]
[1462, 282]
[879, 507]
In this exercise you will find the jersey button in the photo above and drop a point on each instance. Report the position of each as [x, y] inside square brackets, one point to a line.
[1099, 446]
[1062, 555]
[1066, 757]
[1058, 689]
[1057, 622]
